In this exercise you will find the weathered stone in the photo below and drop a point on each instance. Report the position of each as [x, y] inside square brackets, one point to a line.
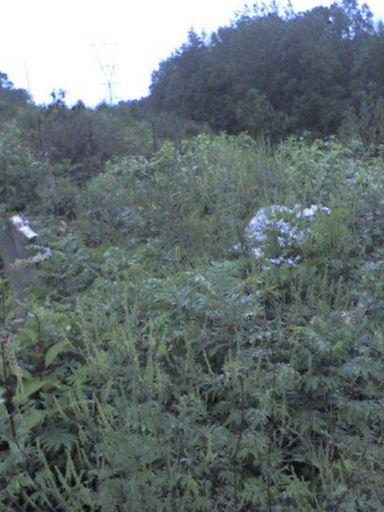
[20, 252]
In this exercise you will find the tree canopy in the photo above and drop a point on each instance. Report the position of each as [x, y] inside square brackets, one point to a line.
[10, 98]
[276, 72]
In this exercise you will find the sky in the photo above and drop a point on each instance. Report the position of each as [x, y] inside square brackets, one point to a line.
[81, 45]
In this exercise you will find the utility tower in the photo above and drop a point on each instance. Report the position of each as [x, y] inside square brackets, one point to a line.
[27, 79]
[105, 57]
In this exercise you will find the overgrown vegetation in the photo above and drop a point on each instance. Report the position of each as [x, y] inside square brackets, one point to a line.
[161, 366]
[156, 371]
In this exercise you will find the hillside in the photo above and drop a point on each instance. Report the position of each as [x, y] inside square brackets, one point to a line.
[191, 284]
[160, 369]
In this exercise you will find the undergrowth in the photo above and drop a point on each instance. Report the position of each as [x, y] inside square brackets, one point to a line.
[156, 370]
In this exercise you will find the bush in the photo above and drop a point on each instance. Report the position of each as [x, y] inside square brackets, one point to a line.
[20, 171]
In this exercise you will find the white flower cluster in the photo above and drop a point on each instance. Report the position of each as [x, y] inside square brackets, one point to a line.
[281, 221]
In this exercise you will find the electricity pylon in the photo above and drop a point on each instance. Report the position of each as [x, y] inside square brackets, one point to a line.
[108, 69]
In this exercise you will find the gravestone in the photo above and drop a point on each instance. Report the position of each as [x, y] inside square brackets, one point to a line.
[20, 253]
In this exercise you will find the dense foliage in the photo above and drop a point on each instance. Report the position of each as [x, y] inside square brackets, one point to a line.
[161, 365]
[279, 73]
[159, 371]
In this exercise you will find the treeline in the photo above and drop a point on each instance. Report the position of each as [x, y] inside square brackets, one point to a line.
[272, 73]
[277, 73]
[68, 145]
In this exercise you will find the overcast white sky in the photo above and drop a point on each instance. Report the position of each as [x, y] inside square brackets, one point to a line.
[51, 44]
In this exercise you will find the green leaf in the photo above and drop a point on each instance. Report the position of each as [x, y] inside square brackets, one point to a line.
[27, 389]
[57, 438]
[55, 350]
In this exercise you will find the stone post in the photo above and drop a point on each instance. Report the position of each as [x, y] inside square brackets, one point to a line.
[20, 254]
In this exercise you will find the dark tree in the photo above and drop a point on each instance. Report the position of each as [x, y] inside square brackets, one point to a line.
[276, 73]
